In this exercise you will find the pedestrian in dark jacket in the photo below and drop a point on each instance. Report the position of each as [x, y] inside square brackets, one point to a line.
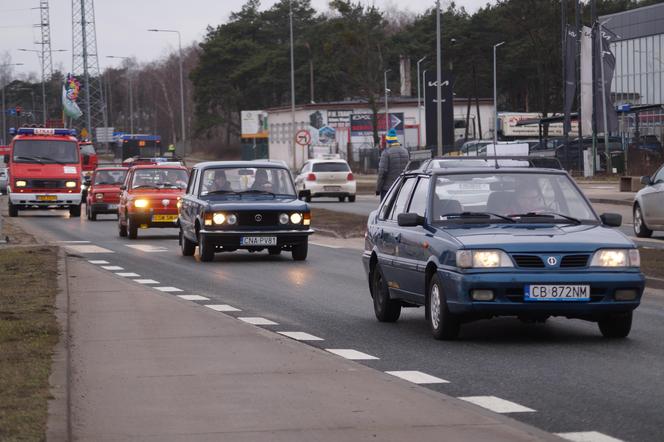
[393, 161]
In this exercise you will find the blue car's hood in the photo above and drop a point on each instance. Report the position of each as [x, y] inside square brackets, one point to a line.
[539, 238]
[260, 203]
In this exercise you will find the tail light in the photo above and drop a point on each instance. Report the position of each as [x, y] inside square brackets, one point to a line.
[350, 177]
[311, 177]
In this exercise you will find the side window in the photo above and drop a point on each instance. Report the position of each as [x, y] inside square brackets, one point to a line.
[402, 199]
[420, 197]
[192, 181]
[388, 202]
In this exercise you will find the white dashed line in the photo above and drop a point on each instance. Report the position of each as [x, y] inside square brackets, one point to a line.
[128, 275]
[325, 245]
[588, 436]
[112, 268]
[496, 404]
[73, 242]
[417, 377]
[223, 308]
[351, 354]
[98, 261]
[258, 321]
[88, 249]
[146, 281]
[193, 298]
[168, 289]
[147, 248]
[301, 336]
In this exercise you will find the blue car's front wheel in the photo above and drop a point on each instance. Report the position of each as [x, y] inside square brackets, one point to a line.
[616, 326]
[444, 325]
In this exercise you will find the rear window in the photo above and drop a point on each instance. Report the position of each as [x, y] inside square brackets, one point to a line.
[331, 167]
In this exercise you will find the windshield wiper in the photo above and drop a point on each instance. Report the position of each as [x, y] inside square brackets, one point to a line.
[221, 192]
[146, 186]
[35, 159]
[53, 160]
[261, 192]
[547, 215]
[479, 215]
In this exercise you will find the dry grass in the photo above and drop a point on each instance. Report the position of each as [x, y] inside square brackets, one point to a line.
[338, 224]
[28, 334]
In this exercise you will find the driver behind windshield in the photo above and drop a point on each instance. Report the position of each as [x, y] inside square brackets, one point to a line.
[528, 199]
[262, 181]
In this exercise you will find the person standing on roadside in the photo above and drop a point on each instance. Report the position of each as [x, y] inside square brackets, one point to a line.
[393, 161]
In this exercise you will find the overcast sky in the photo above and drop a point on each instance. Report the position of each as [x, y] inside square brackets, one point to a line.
[122, 24]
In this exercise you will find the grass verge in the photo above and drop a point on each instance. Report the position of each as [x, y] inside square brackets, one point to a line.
[28, 334]
[338, 224]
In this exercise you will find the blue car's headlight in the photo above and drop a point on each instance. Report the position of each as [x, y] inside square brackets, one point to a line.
[482, 259]
[616, 258]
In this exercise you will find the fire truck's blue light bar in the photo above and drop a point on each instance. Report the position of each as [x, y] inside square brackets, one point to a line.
[45, 131]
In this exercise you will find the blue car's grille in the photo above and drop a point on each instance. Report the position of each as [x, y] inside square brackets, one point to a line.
[571, 261]
[528, 261]
[536, 262]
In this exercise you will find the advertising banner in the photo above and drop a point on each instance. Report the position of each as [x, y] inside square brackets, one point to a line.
[254, 124]
[338, 118]
[70, 91]
[586, 82]
[361, 125]
[430, 109]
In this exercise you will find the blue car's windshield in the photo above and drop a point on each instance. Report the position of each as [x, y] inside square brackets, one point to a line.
[255, 181]
[514, 195]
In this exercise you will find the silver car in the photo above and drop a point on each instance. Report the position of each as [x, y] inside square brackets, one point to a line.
[649, 205]
[4, 176]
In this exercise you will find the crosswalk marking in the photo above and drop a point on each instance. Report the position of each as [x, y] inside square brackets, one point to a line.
[300, 336]
[168, 289]
[417, 377]
[193, 298]
[128, 274]
[497, 404]
[351, 354]
[146, 281]
[112, 268]
[588, 436]
[258, 321]
[87, 248]
[147, 248]
[98, 261]
[223, 308]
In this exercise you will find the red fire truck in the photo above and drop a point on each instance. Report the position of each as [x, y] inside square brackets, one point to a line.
[44, 170]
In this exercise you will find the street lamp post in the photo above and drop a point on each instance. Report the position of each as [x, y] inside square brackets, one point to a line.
[387, 110]
[292, 83]
[419, 107]
[182, 123]
[606, 123]
[439, 97]
[40, 57]
[4, 110]
[495, 98]
[131, 95]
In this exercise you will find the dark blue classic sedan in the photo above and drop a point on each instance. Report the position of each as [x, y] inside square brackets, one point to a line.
[473, 243]
[243, 205]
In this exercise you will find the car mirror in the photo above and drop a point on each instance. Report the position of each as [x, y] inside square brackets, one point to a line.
[611, 219]
[645, 180]
[410, 220]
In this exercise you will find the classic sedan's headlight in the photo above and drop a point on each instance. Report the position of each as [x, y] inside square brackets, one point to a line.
[231, 219]
[141, 203]
[218, 218]
[482, 259]
[70, 184]
[99, 196]
[283, 218]
[616, 258]
[21, 183]
[296, 218]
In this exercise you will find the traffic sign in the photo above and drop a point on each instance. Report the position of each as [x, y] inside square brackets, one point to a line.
[303, 137]
[105, 134]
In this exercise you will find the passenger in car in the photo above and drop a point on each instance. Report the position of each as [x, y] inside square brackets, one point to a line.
[262, 181]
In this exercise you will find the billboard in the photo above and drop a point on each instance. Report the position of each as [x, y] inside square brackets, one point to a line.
[338, 118]
[430, 109]
[361, 125]
[508, 126]
[254, 124]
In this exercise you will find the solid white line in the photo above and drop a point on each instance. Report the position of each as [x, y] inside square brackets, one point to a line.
[193, 298]
[73, 242]
[147, 248]
[301, 336]
[417, 377]
[351, 354]
[325, 245]
[87, 248]
[588, 436]
[497, 404]
[146, 281]
[168, 289]
[128, 275]
[258, 321]
[98, 261]
[223, 308]
[112, 268]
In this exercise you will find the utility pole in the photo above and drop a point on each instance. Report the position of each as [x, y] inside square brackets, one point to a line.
[292, 82]
[387, 109]
[495, 97]
[600, 43]
[439, 97]
[419, 107]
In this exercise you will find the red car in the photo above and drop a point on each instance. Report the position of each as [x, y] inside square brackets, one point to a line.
[149, 198]
[104, 192]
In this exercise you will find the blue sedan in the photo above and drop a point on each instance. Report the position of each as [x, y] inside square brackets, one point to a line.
[474, 243]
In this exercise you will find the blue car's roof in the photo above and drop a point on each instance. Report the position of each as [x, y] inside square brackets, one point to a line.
[484, 170]
[239, 164]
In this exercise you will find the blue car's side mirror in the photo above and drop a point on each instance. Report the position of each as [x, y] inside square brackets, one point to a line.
[645, 180]
[611, 219]
[410, 220]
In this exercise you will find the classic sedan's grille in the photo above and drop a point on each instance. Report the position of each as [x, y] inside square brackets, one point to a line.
[528, 261]
[46, 184]
[258, 219]
[571, 261]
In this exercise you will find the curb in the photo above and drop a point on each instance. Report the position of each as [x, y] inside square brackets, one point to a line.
[611, 201]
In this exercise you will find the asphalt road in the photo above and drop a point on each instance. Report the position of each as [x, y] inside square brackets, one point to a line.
[573, 379]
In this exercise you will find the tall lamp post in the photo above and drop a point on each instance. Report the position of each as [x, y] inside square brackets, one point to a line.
[39, 56]
[387, 109]
[419, 107]
[4, 110]
[131, 95]
[184, 136]
[495, 98]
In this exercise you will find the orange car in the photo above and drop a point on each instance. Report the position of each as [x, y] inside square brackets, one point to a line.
[149, 198]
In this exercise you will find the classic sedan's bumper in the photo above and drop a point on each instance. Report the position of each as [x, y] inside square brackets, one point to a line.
[332, 189]
[59, 199]
[509, 287]
[104, 207]
[148, 220]
[231, 239]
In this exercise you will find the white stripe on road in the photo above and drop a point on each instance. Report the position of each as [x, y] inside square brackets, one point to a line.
[301, 336]
[128, 275]
[193, 298]
[88, 249]
[73, 242]
[351, 354]
[497, 404]
[223, 308]
[112, 268]
[98, 261]
[146, 281]
[325, 245]
[258, 321]
[417, 377]
[168, 289]
[587, 436]
[147, 248]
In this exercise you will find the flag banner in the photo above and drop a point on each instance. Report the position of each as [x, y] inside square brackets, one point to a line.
[430, 109]
[586, 82]
[606, 57]
[70, 91]
[570, 76]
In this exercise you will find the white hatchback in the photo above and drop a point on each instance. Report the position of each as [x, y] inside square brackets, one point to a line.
[331, 178]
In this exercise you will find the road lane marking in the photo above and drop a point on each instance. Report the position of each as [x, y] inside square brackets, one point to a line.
[88, 249]
[223, 308]
[112, 268]
[497, 404]
[193, 298]
[168, 289]
[351, 354]
[147, 248]
[257, 321]
[128, 275]
[587, 436]
[146, 281]
[301, 336]
[73, 242]
[417, 377]
[98, 261]
[325, 245]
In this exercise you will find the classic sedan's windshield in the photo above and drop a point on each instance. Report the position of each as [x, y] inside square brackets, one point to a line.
[45, 151]
[115, 176]
[247, 180]
[512, 195]
[160, 179]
